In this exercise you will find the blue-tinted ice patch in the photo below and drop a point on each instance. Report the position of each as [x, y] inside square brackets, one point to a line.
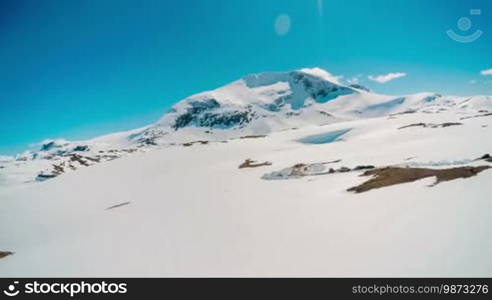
[324, 138]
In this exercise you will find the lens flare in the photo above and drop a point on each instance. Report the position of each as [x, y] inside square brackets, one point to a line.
[282, 24]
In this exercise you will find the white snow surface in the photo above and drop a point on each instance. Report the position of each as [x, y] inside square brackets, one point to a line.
[192, 212]
[4, 158]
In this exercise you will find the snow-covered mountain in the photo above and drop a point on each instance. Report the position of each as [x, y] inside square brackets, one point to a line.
[276, 174]
[253, 105]
[269, 102]
[275, 101]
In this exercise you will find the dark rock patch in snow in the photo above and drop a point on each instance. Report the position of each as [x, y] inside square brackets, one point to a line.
[195, 142]
[249, 163]
[79, 159]
[73, 161]
[388, 176]
[81, 148]
[486, 157]
[206, 113]
[52, 144]
[252, 136]
[366, 167]
[194, 109]
[405, 112]
[324, 113]
[477, 116]
[431, 125]
[45, 176]
[118, 205]
[4, 254]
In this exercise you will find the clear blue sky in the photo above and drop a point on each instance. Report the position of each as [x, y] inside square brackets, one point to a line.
[77, 69]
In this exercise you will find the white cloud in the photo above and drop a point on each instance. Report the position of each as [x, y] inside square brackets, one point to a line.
[387, 77]
[322, 74]
[353, 80]
[486, 72]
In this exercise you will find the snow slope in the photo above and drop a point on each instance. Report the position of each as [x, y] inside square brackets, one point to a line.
[192, 212]
[168, 207]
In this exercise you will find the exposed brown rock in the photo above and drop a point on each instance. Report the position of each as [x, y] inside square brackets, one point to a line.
[252, 136]
[248, 163]
[393, 175]
[367, 167]
[5, 254]
[486, 157]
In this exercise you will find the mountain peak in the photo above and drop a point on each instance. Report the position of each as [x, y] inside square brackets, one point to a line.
[260, 97]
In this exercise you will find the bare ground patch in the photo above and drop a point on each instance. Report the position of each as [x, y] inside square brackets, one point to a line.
[4, 254]
[388, 176]
[249, 163]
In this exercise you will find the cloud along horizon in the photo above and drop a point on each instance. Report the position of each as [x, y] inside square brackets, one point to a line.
[486, 72]
[386, 77]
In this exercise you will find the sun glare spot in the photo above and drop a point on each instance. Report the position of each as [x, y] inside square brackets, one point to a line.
[282, 24]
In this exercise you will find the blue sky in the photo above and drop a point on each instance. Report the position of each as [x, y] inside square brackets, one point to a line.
[78, 69]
